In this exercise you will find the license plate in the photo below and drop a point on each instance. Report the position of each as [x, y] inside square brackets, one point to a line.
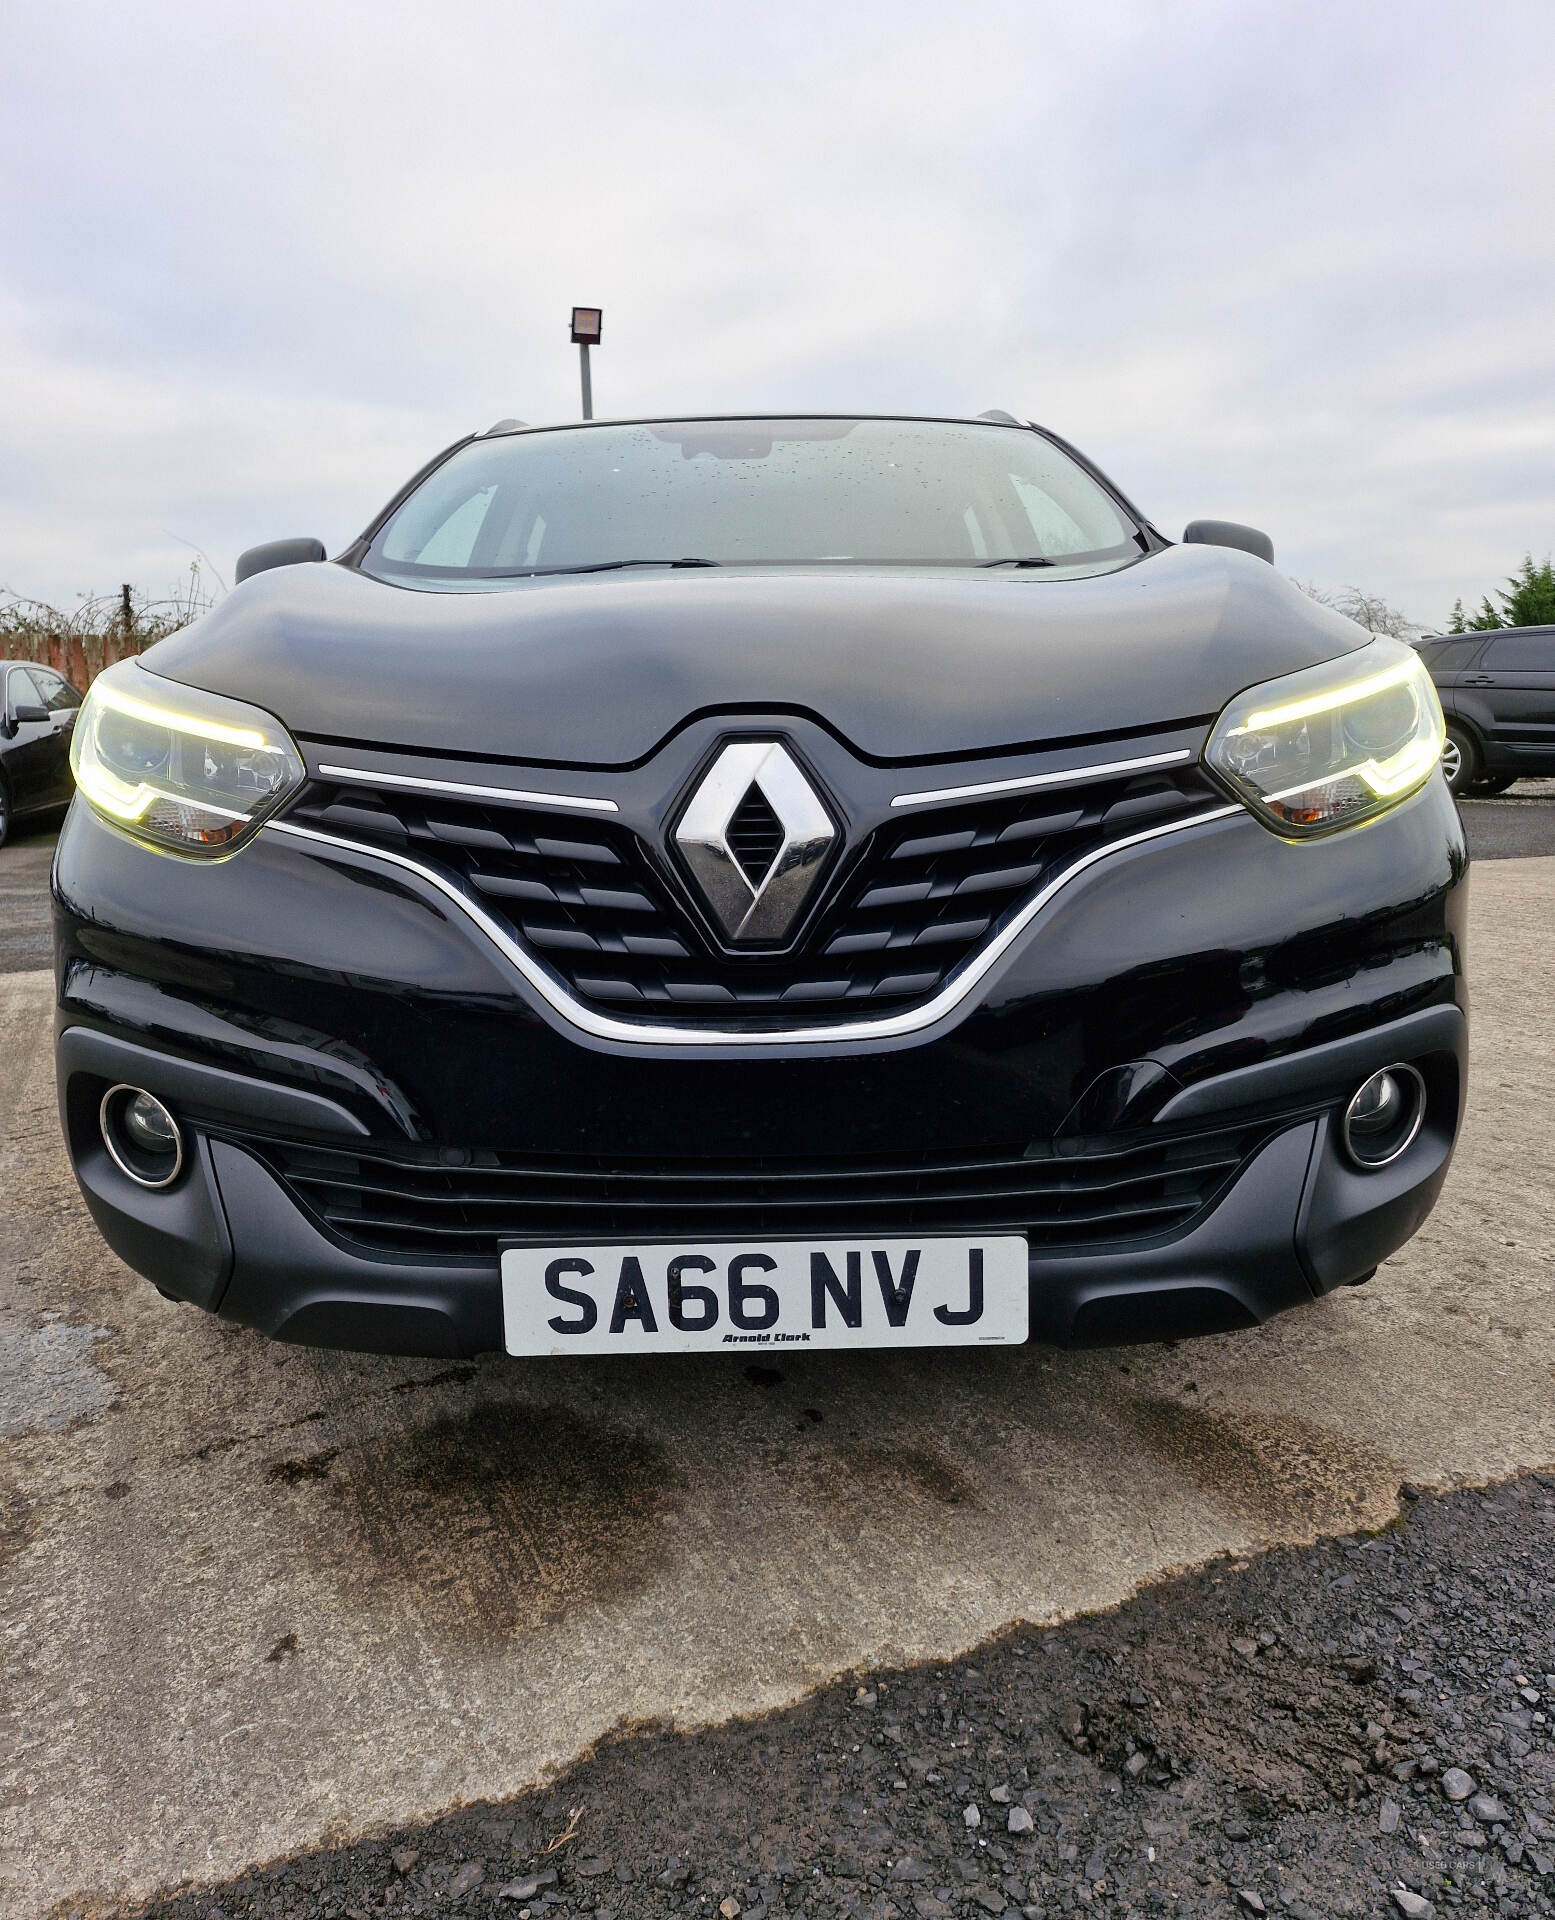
[784, 1293]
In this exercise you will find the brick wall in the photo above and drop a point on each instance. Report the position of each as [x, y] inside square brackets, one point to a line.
[79, 657]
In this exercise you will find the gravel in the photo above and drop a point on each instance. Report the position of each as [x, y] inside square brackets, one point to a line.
[1376, 1753]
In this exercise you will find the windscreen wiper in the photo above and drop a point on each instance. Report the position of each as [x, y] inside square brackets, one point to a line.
[600, 566]
[1037, 560]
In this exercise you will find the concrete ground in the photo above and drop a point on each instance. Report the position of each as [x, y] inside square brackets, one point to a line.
[1290, 1734]
[254, 1597]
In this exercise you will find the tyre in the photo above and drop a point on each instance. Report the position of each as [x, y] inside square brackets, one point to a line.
[1460, 761]
[1492, 783]
[5, 813]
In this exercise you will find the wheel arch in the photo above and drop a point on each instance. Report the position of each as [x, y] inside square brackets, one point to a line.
[1459, 722]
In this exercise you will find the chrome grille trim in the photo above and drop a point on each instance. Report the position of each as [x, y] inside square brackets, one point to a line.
[942, 796]
[514, 796]
[658, 1035]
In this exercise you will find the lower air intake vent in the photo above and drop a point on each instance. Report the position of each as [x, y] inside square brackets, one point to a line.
[414, 1202]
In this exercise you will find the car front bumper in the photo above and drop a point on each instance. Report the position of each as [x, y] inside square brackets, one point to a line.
[1149, 1086]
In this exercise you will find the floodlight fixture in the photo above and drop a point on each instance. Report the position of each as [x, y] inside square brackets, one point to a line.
[587, 325]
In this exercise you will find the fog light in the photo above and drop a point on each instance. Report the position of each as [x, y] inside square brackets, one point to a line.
[1383, 1116]
[143, 1139]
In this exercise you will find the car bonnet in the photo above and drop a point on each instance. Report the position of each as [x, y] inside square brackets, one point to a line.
[903, 663]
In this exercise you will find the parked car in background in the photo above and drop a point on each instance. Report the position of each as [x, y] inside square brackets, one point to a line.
[1498, 696]
[37, 712]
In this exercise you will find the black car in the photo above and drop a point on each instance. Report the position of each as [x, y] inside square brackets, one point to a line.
[1498, 693]
[756, 882]
[37, 712]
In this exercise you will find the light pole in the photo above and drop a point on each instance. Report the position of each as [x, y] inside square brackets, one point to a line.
[587, 323]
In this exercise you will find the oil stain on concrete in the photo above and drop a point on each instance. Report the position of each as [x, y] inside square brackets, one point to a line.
[892, 1472]
[1284, 1477]
[492, 1521]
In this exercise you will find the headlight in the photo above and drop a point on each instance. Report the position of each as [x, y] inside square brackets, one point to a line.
[1333, 745]
[186, 770]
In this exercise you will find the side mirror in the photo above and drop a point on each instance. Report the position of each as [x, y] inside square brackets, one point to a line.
[1229, 533]
[278, 553]
[29, 715]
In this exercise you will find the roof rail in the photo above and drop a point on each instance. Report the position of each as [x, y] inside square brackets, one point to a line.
[997, 413]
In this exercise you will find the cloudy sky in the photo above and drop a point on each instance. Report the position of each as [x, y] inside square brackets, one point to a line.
[1286, 263]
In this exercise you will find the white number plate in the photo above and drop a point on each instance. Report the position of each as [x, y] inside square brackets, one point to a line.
[784, 1293]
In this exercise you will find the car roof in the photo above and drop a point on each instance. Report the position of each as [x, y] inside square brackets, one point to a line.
[995, 417]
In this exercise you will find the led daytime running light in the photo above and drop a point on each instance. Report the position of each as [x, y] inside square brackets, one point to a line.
[137, 709]
[125, 802]
[1397, 776]
[1402, 772]
[1331, 746]
[1268, 717]
[187, 772]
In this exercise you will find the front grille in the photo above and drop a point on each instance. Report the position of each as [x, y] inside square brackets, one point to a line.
[908, 906]
[433, 1203]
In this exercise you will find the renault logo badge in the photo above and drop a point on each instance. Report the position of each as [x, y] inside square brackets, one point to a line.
[755, 837]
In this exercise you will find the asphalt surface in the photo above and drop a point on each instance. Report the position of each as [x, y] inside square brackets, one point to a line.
[1347, 1729]
[255, 1598]
[1517, 824]
[24, 898]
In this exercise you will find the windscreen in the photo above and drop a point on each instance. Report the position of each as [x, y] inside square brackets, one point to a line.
[749, 492]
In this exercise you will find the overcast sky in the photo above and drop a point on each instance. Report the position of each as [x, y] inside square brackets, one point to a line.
[1285, 263]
